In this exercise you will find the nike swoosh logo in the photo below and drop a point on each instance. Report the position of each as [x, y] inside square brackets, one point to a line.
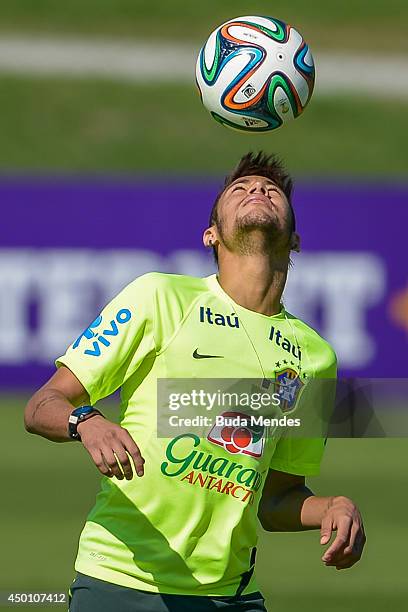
[198, 355]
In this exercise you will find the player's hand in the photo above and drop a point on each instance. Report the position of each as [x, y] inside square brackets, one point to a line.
[111, 448]
[346, 549]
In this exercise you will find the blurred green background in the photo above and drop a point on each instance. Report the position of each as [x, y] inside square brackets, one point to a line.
[101, 125]
[54, 124]
[67, 125]
[340, 24]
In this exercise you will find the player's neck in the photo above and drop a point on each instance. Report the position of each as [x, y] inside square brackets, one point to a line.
[255, 282]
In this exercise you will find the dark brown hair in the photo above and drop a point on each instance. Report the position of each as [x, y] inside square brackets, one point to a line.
[259, 164]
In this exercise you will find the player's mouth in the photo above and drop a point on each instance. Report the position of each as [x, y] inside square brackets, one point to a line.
[257, 199]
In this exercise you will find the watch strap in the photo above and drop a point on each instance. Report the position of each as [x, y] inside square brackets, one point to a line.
[79, 415]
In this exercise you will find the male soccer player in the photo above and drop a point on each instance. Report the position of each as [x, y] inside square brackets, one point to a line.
[182, 536]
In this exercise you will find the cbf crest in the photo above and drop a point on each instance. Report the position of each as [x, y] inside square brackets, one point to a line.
[288, 386]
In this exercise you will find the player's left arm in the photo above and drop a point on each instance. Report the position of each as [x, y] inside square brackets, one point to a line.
[287, 504]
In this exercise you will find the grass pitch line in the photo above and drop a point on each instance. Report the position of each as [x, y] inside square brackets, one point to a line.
[110, 59]
[381, 77]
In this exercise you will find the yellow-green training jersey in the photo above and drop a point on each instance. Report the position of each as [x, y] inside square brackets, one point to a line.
[189, 525]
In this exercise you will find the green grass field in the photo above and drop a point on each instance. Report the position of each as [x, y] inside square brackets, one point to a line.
[361, 24]
[59, 125]
[63, 125]
[49, 488]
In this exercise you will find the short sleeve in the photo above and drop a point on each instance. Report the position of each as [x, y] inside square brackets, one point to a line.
[303, 456]
[112, 347]
[300, 456]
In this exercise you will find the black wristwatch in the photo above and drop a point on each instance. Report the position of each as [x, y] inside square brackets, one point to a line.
[83, 413]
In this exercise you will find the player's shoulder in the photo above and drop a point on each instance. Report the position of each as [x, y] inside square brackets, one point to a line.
[167, 298]
[314, 340]
[166, 288]
[164, 281]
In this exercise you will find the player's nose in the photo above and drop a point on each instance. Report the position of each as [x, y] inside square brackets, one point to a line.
[258, 187]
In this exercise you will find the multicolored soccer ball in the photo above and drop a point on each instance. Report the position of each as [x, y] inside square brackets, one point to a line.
[255, 73]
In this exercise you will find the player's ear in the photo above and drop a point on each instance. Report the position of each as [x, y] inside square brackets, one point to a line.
[295, 242]
[210, 237]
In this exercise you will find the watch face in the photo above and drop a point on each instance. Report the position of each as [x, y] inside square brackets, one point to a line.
[82, 410]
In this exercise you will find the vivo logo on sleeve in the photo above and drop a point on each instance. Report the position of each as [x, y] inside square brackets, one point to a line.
[103, 337]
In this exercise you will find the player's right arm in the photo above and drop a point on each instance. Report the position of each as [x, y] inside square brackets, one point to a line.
[47, 414]
[95, 365]
[48, 410]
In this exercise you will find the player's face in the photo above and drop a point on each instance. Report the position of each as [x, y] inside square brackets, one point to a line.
[255, 202]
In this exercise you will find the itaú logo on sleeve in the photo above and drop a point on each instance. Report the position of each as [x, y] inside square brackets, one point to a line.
[102, 337]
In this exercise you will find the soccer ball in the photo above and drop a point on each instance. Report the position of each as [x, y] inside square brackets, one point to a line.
[255, 73]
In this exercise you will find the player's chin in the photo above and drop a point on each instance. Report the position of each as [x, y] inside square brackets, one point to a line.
[259, 219]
